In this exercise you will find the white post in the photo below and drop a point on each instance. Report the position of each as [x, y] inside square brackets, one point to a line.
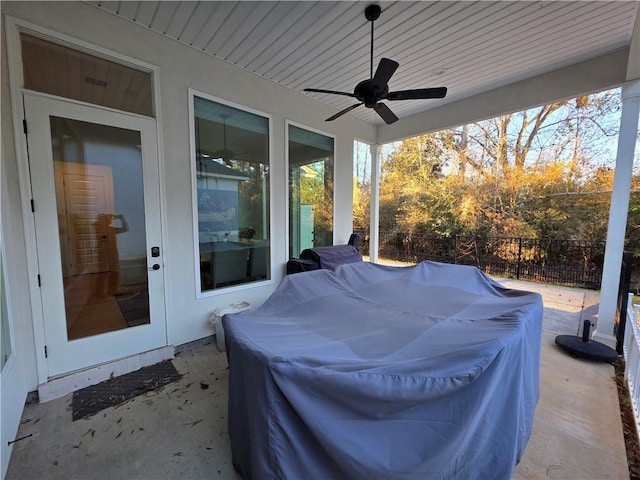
[374, 204]
[618, 213]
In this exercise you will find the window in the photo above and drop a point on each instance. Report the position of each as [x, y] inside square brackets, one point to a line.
[5, 339]
[231, 195]
[310, 190]
[65, 72]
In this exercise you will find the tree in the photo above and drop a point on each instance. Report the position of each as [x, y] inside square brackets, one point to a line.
[514, 161]
[411, 198]
[533, 173]
[361, 210]
[361, 186]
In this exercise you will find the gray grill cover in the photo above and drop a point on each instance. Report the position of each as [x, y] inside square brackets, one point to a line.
[333, 256]
[373, 372]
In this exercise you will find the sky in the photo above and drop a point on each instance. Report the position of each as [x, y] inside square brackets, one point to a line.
[601, 148]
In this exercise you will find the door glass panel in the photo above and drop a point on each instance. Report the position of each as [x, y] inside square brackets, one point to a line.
[101, 223]
[310, 190]
[65, 72]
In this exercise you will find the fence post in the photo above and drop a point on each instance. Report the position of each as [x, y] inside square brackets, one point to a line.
[519, 258]
[623, 299]
[455, 249]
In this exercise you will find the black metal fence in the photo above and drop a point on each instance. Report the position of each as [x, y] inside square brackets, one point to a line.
[623, 299]
[576, 263]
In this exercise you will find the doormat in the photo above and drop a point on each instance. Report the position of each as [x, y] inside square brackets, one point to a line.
[90, 400]
[134, 306]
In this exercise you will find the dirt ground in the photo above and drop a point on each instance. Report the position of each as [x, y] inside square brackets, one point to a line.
[628, 422]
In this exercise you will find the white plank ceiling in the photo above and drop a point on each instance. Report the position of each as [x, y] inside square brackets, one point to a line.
[469, 47]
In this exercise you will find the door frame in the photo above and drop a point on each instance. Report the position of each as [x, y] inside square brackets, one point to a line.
[66, 355]
[13, 28]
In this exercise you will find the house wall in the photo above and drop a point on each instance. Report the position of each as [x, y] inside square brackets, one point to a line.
[180, 68]
[19, 374]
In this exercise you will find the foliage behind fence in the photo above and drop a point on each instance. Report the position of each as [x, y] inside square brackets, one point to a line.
[576, 263]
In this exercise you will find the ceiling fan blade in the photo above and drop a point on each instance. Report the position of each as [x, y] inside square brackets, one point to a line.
[385, 112]
[417, 94]
[319, 90]
[386, 68]
[342, 112]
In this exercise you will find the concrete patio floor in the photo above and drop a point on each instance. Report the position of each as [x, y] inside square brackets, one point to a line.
[180, 430]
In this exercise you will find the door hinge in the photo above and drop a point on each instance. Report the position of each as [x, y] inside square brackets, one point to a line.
[24, 126]
[46, 353]
[33, 206]
[39, 282]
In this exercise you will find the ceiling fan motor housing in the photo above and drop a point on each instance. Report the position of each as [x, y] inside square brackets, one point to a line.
[369, 92]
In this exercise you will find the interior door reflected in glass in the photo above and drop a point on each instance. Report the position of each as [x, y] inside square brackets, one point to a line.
[310, 190]
[101, 222]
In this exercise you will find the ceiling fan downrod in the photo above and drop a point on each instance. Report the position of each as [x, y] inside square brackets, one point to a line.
[372, 13]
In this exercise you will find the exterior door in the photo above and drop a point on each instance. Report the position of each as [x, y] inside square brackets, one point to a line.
[95, 187]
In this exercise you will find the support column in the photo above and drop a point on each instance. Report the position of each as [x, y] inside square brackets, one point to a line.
[374, 204]
[618, 212]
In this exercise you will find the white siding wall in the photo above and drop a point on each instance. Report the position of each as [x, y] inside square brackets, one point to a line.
[19, 375]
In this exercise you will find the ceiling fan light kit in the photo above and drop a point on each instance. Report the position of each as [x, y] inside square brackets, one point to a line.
[370, 92]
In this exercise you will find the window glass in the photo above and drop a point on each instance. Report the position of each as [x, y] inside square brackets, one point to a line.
[361, 187]
[5, 339]
[101, 223]
[65, 72]
[232, 194]
[311, 157]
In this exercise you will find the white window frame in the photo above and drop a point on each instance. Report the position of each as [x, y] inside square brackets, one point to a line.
[194, 199]
[5, 286]
[288, 189]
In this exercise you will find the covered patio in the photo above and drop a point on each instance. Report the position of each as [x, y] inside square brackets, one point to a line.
[180, 70]
[180, 430]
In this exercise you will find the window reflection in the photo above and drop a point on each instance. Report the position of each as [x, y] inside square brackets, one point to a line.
[310, 190]
[5, 338]
[232, 194]
[101, 222]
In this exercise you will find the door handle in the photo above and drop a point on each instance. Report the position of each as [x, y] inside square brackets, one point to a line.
[155, 266]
